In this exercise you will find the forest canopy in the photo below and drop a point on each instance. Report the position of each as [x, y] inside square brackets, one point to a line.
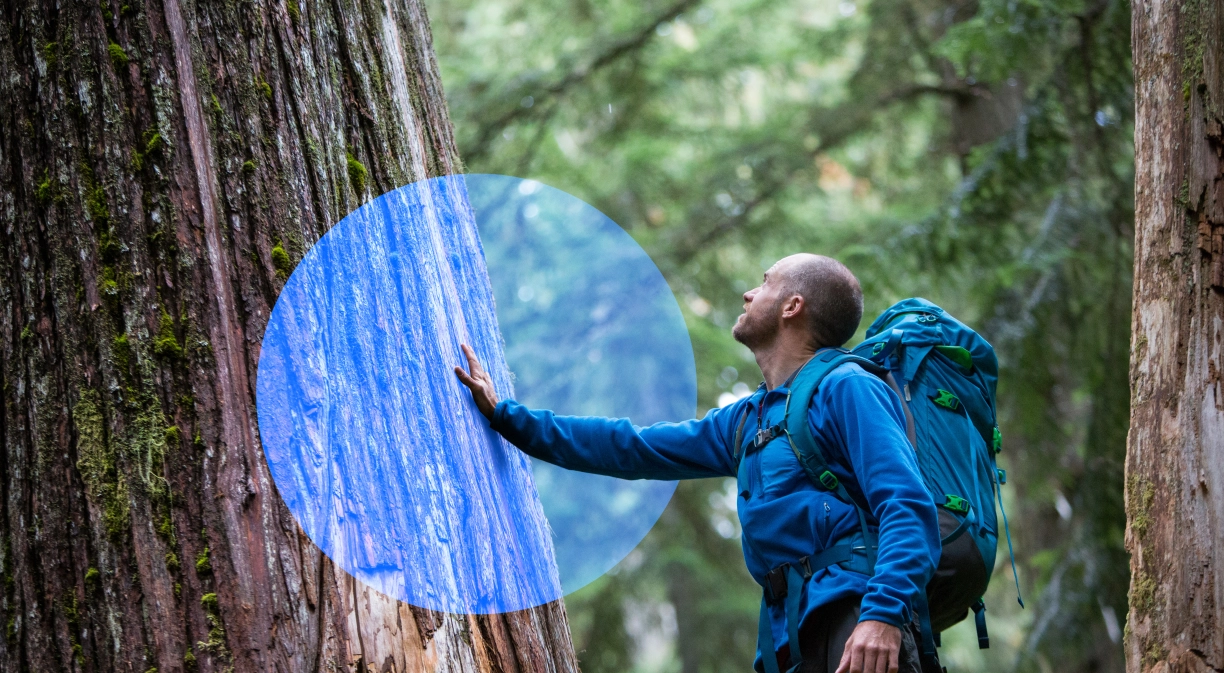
[979, 154]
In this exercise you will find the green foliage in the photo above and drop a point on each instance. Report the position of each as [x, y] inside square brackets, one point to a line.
[264, 87]
[977, 154]
[121, 353]
[216, 632]
[166, 344]
[151, 142]
[280, 261]
[108, 287]
[44, 191]
[117, 55]
[95, 205]
[202, 563]
[357, 174]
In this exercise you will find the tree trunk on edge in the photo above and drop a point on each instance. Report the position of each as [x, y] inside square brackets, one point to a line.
[1175, 453]
[163, 163]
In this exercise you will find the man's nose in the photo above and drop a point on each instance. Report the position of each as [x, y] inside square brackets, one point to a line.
[750, 294]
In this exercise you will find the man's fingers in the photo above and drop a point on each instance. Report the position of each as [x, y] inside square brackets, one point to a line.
[844, 665]
[872, 661]
[856, 658]
[464, 378]
[473, 362]
[894, 663]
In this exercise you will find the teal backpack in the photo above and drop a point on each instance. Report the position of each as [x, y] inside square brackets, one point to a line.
[945, 375]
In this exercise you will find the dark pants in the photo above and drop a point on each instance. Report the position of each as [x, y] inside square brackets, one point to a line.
[823, 639]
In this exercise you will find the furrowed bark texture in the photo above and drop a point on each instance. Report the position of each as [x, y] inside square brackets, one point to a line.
[1175, 453]
[163, 163]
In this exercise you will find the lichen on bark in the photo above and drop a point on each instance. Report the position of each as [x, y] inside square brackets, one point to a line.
[97, 462]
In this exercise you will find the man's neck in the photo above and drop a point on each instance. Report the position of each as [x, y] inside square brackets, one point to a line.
[781, 359]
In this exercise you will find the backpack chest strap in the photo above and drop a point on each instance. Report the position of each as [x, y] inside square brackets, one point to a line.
[767, 435]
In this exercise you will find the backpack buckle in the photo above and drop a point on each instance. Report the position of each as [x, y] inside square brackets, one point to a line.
[775, 583]
[766, 436]
[829, 480]
[946, 399]
[956, 503]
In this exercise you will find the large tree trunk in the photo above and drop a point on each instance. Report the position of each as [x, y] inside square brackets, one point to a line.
[1175, 456]
[162, 165]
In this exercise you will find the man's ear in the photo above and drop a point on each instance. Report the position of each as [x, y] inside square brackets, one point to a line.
[792, 307]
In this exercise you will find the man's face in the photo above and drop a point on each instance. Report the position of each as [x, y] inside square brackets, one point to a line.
[759, 324]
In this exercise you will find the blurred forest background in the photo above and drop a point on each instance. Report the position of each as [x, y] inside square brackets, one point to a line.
[977, 153]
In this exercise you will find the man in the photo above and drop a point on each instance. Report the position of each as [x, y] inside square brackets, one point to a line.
[850, 622]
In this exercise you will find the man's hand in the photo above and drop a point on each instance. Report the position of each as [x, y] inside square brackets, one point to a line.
[479, 382]
[874, 647]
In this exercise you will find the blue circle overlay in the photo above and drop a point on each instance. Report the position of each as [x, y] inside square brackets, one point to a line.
[379, 452]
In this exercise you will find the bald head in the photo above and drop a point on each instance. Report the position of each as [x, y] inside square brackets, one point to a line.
[832, 298]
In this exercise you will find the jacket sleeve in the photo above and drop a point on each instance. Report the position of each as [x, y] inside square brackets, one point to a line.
[617, 448]
[868, 415]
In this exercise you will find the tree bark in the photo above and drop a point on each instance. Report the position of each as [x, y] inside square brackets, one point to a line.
[164, 163]
[1175, 453]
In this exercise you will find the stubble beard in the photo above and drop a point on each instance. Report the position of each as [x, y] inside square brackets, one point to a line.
[757, 332]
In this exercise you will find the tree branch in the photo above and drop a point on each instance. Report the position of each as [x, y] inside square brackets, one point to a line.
[610, 54]
[856, 122]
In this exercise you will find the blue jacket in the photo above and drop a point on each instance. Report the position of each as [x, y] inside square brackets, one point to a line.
[859, 423]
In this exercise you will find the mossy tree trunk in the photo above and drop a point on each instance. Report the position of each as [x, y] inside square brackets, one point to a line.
[163, 163]
[1175, 456]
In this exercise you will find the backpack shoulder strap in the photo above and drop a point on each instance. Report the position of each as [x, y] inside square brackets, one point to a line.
[807, 381]
[737, 447]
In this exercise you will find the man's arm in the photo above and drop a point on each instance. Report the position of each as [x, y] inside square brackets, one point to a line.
[613, 447]
[872, 425]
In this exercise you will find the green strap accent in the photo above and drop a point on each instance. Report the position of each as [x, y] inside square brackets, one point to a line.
[956, 503]
[962, 357]
[829, 480]
[946, 399]
[998, 440]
